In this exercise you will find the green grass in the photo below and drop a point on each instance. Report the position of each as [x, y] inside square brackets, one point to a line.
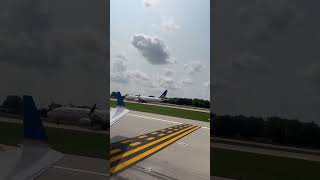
[249, 166]
[66, 141]
[175, 112]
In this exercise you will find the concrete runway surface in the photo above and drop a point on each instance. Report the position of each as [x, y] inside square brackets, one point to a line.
[76, 168]
[72, 167]
[187, 158]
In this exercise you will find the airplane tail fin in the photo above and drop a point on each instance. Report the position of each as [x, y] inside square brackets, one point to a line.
[120, 101]
[163, 95]
[32, 123]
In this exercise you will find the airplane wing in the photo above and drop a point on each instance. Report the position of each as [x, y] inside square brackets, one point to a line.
[34, 156]
[119, 112]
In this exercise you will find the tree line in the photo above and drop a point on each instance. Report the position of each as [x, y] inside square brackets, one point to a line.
[274, 130]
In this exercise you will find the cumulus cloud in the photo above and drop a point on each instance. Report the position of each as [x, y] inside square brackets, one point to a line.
[187, 81]
[168, 72]
[249, 63]
[150, 3]
[118, 71]
[168, 24]
[168, 83]
[142, 78]
[152, 48]
[139, 76]
[193, 67]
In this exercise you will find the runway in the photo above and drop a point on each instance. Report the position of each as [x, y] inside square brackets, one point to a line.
[186, 158]
[72, 167]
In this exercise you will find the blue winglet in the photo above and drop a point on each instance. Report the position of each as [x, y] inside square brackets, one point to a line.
[32, 123]
[119, 99]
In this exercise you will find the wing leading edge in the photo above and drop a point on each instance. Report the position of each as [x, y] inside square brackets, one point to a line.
[119, 112]
[34, 156]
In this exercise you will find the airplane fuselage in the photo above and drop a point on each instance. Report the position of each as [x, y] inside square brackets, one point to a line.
[75, 115]
[143, 98]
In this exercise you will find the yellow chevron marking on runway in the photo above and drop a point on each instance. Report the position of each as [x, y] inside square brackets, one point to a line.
[115, 151]
[126, 141]
[135, 143]
[150, 151]
[125, 154]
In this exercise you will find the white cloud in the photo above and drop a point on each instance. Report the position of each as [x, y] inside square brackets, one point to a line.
[141, 78]
[187, 81]
[168, 83]
[169, 25]
[168, 72]
[118, 72]
[150, 3]
[193, 67]
[207, 84]
[152, 48]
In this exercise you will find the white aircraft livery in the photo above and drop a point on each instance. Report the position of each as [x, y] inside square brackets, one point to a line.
[34, 156]
[119, 112]
[90, 116]
[146, 99]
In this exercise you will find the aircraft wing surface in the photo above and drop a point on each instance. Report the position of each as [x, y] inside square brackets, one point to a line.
[117, 113]
[27, 162]
[34, 156]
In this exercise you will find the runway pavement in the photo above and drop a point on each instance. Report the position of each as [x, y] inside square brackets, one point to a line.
[72, 167]
[185, 158]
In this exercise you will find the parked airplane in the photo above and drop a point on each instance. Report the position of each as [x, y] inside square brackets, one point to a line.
[91, 116]
[146, 99]
[34, 156]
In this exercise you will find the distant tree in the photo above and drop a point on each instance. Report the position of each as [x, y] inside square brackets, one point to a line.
[275, 129]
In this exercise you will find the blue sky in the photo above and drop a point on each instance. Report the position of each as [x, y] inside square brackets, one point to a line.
[160, 44]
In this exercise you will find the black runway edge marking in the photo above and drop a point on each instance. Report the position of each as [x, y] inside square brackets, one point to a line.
[125, 153]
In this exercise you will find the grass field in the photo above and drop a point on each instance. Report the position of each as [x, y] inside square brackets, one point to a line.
[66, 141]
[175, 112]
[249, 166]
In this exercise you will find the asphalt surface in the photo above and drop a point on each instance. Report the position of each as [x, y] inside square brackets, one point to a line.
[72, 167]
[186, 158]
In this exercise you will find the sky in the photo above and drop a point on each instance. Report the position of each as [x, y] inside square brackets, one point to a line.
[54, 50]
[266, 60]
[158, 45]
